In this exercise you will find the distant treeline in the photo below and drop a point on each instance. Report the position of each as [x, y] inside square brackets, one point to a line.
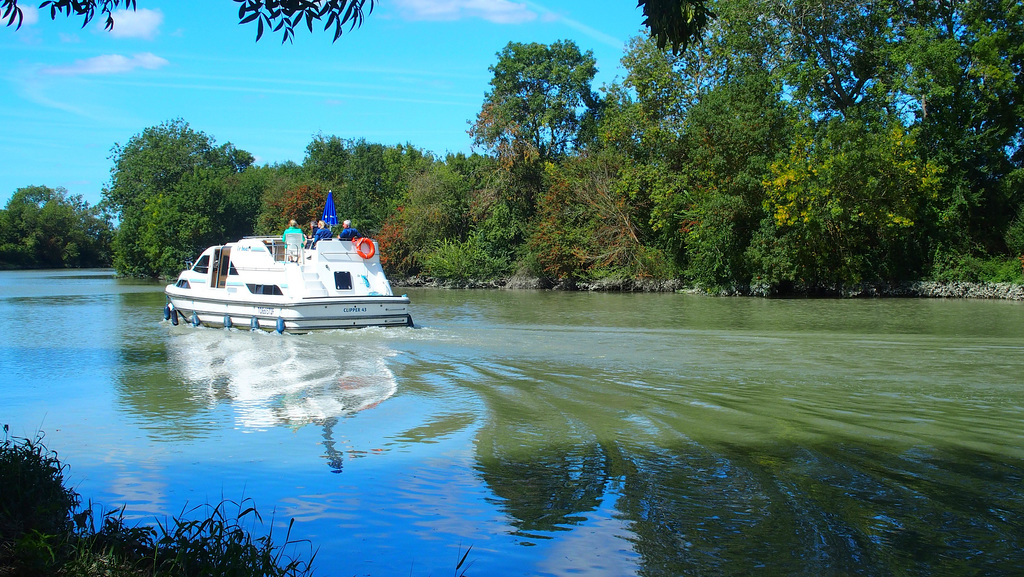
[802, 144]
[47, 228]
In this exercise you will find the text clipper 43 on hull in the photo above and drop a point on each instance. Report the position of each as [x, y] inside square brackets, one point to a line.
[274, 284]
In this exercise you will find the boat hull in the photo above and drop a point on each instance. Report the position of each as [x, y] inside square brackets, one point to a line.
[301, 316]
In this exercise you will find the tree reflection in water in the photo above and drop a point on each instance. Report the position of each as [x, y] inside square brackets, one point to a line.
[793, 508]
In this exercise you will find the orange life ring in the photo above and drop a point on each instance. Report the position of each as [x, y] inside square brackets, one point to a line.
[364, 247]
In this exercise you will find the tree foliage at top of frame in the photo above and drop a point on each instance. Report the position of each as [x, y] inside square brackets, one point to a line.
[678, 23]
[275, 15]
[285, 15]
[86, 9]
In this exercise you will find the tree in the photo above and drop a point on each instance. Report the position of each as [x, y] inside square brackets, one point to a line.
[589, 225]
[837, 53]
[675, 22]
[242, 201]
[434, 210]
[847, 207]
[540, 105]
[965, 88]
[732, 136]
[678, 23]
[171, 187]
[540, 109]
[46, 227]
[643, 118]
[299, 202]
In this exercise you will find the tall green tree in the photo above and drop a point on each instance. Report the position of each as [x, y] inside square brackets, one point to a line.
[541, 103]
[170, 187]
[644, 119]
[966, 89]
[541, 108]
[834, 54]
[732, 136]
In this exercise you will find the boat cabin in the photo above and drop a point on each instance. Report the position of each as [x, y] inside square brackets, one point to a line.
[271, 266]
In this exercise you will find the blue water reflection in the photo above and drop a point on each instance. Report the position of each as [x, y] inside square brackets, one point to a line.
[555, 433]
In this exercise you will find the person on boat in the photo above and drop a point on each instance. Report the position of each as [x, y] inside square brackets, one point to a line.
[347, 232]
[292, 228]
[322, 232]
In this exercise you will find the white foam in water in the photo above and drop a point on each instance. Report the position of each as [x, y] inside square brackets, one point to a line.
[283, 380]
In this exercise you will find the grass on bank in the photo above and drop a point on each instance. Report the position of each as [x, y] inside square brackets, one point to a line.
[44, 530]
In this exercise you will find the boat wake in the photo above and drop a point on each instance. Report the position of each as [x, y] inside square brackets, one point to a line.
[271, 381]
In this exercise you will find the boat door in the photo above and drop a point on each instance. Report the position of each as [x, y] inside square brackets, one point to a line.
[220, 267]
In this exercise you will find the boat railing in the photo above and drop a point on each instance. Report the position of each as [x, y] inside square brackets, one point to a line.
[281, 251]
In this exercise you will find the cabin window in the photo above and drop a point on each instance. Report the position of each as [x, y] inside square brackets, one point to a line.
[182, 283]
[203, 265]
[231, 270]
[265, 289]
[342, 280]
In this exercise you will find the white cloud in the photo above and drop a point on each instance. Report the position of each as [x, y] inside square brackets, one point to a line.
[108, 64]
[29, 15]
[597, 35]
[135, 23]
[497, 11]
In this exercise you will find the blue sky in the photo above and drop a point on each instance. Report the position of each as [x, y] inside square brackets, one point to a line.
[415, 72]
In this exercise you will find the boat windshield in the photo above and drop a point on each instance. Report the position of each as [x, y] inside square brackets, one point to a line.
[202, 265]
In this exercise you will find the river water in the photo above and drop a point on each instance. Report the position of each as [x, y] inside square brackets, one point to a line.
[554, 433]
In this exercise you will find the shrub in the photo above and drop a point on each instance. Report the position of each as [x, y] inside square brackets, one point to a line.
[41, 534]
[1015, 234]
[959, 267]
[454, 260]
[35, 507]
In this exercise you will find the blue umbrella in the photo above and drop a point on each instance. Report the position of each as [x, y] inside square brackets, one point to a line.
[330, 216]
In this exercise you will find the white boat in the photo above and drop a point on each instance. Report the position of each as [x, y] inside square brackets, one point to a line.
[266, 283]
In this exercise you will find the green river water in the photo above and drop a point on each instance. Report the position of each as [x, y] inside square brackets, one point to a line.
[555, 433]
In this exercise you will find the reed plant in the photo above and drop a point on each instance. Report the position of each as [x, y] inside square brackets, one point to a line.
[217, 542]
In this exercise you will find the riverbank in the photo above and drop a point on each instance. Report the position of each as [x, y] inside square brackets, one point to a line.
[916, 289]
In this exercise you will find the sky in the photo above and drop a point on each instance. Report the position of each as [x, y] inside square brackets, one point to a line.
[415, 72]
